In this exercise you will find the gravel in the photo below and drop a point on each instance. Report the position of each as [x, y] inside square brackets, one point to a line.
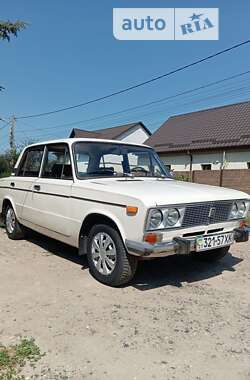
[179, 319]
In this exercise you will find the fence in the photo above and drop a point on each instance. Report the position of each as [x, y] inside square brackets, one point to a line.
[238, 179]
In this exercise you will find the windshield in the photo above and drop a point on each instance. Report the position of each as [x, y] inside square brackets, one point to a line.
[97, 159]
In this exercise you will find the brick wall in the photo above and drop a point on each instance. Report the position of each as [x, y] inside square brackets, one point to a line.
[238, 179]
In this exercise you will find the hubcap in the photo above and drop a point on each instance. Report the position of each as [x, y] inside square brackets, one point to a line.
[10, 220]
[103, 252]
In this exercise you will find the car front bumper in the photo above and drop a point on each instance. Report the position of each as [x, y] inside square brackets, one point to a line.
[179, 245]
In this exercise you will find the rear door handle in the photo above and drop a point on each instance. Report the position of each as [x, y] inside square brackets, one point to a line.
[37, 187]
[12, 184]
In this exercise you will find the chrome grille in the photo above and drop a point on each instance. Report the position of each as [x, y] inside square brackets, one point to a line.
[206, 213]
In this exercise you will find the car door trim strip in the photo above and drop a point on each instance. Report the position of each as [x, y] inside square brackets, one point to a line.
[67, 196]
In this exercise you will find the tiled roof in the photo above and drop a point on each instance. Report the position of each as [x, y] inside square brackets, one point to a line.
[107, 133]
[221, 127]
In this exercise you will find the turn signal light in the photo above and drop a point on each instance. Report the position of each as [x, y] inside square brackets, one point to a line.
[131, 210]
[152, 238]
[243, 223]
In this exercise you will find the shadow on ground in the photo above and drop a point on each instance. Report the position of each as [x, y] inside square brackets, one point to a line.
[176, 270]
[173, 270]
[54, 247]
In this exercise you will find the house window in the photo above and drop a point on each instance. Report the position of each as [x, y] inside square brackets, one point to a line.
[206, 166]
[168, 167]
[248, 165]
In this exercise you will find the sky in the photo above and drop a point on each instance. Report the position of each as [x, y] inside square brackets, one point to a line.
[68, 55]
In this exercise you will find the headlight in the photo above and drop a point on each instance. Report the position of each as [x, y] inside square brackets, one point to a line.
[159, 219]
[155, 220]
[239, 210]
[172, 216]
[234, 211]
[242, 209]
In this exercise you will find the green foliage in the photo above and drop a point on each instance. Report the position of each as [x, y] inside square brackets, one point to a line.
[14, 357]
[181, 177]
[9, 158]
[4, 167]
[7, 162]
[8, 29]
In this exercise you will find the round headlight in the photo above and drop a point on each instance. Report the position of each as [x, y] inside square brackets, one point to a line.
[172, 217]
[155, 219]
[242, 208]
[234, 212]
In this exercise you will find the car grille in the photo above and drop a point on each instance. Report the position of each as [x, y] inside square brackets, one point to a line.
[206, 213]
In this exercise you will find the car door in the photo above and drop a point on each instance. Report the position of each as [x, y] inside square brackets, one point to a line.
[21, 184]
[48, 206]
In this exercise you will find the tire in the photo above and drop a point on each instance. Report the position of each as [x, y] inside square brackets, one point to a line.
[211, 256]
[14, 229]
[111, 264]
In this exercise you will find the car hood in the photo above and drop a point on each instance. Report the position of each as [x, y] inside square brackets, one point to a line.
[156, 192]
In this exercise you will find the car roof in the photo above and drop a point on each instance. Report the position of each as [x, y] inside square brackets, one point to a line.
[70, 141]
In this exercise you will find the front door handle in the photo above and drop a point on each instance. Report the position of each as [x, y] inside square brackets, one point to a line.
[12, 184]
[37, 187]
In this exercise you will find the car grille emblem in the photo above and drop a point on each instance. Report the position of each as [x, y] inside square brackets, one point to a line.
[212, 212]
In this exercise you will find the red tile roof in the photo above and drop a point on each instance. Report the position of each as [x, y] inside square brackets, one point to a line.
[221, 127]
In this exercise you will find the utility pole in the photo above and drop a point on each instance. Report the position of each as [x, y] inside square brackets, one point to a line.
[12, 133]
[12, 141]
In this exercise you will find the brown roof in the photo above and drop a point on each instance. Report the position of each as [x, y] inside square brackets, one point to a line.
[221, 127]
[107, 133]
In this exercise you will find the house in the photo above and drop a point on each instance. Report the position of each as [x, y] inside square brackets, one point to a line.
[210, 146]
[131, 133]
[206, 140]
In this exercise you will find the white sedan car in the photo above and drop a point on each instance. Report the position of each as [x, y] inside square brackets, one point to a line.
[116, 203]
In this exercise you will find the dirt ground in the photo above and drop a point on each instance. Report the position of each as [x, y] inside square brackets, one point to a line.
[178, 319]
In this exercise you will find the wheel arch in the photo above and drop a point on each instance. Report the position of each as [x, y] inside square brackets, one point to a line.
[92, 219]
[7, 201]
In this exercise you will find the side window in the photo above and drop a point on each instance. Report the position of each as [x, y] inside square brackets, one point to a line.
[57, 162]
[31, 162]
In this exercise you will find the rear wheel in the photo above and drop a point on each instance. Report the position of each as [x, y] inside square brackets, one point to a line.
[211, 256]
[108, 259]
[14, 229]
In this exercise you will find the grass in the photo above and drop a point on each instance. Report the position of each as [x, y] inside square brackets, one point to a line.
[14, 357]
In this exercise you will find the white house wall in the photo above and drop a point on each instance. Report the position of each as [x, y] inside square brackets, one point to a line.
[233, 160]
[178, 162]
[137, 135]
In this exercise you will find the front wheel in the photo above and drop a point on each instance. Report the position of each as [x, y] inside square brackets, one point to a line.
[211, 256]
[14, 229]
[108, 259]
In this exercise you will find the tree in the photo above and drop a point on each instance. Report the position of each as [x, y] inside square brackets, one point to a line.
[8, 29]
[4, 167]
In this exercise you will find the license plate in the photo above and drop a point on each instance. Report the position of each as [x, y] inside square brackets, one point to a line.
[204, 243]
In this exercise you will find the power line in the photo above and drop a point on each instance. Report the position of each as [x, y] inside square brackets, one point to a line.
[235, 92]
[138, 84]
[186, 92]
[196, 101]
[7, 122]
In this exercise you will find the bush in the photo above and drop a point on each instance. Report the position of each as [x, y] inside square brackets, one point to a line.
[4, 166]
[181, 177]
